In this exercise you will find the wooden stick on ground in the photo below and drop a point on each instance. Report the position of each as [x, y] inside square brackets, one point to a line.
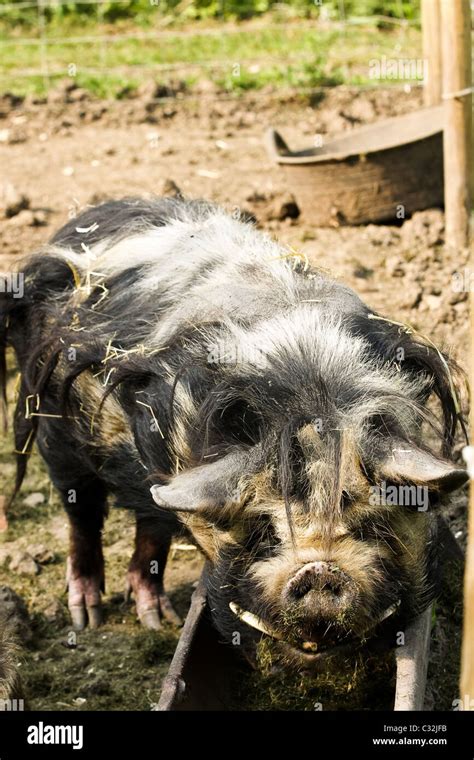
[412, 664]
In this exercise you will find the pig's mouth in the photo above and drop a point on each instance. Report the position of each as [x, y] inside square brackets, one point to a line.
[323, 639]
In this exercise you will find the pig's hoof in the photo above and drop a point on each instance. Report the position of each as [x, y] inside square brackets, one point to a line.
[152, 605]
[78, 616]
[168, 611]
[94, 613]
[150, 619]
[83, 613]
[84, 600]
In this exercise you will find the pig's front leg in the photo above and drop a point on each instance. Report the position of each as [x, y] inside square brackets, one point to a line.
[146, 571]
[85, 565]
[84, 596]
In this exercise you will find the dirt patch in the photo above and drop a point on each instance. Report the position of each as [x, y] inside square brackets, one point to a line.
[72, 151]
[122, 665]
[64, 155]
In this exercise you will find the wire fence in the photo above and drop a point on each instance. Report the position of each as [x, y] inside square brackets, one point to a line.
[101, 46]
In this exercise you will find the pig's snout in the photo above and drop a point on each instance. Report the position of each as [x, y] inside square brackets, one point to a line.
[316, 576]
[321, 588]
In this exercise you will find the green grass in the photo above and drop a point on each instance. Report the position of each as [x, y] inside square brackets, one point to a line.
[237, 59]
[146, 12]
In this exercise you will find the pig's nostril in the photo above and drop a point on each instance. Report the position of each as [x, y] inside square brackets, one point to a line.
[333, 588]
[322, 577]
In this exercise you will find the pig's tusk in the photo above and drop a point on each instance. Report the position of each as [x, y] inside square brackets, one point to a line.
[389, 611]
[253, 621]
[308, 646]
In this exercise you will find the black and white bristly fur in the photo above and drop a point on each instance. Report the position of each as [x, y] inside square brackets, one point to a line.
[180, 348]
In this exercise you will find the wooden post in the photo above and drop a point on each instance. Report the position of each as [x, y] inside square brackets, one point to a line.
[431, 31]
[459, 187]
[467, 661]
[457, 140]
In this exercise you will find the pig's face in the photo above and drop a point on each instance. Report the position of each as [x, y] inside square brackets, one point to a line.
[296, 487]
[316, 540]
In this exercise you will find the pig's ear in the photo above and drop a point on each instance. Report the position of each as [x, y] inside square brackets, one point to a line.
[408, 463]
[214, 489]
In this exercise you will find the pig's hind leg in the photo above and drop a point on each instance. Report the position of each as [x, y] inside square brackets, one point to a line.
[84, 497]
[146, 571]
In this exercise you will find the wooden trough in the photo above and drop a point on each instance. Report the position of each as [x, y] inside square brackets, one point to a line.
[381, 172]
[203, 670]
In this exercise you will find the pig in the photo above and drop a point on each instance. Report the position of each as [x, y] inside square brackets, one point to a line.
[181, 362]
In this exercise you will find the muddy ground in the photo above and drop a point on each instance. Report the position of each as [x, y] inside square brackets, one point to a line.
[71, 151]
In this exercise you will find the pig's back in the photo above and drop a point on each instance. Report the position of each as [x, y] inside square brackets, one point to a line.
[168, 263]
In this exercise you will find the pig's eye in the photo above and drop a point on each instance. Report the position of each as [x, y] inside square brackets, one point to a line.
[261, 538]
[240, 423]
